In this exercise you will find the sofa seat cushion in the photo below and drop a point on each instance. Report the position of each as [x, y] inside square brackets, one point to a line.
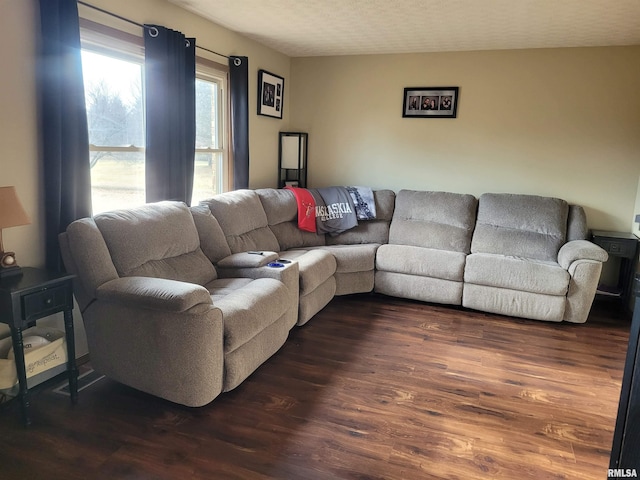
[516, 273]
[316, 266]
[353, 258]
[220, 288]
[422, 262]
[248, 307]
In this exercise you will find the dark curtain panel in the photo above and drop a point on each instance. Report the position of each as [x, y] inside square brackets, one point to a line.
[64, 137]
[239, 91]
[170, 103]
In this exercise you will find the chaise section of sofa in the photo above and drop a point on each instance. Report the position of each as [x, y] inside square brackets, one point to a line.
[429, 239]
[528, 260]
[157, 316]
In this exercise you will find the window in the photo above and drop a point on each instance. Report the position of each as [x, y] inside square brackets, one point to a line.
[113, 66]
[211, 142]
[115, 115]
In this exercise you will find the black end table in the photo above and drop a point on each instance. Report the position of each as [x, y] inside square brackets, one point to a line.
[30, 296]
[624, 246]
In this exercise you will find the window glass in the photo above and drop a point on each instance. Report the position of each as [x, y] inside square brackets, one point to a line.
[211, 153]
[115, 116]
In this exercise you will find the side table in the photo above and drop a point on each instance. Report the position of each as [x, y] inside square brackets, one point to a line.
[623, 245]
[26, 298]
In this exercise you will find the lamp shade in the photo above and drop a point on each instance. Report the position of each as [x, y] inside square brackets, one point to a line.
[11, 212]
[293, 150]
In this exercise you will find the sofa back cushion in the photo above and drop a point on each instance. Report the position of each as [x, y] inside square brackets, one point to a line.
[243, 221]
[577, 224]
[520, 225]
[282, 217]
[212, 239]
[370, 231]
[85, 254]
[439, 220]
[156, 240]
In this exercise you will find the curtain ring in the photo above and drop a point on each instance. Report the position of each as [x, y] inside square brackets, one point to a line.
[237, 62]
[187, 42]
[153, 32]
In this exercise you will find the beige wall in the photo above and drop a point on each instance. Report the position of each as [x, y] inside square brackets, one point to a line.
[559, 122]
[18, 137]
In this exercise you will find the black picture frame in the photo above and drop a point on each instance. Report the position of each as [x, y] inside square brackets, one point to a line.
[430, 102]
[270, 94]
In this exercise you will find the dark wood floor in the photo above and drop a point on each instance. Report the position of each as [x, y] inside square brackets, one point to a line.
[372, 388]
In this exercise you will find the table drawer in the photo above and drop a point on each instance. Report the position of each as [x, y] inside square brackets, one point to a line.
[45, 302]
[620, 248]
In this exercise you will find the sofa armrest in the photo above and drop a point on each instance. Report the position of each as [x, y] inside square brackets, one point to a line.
[176, 355]
[154, 293]
[287, 274]
[247, 259]
[580, 250]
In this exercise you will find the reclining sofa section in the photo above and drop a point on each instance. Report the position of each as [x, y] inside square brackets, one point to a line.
[168, 309]
[175, 305]
[519, 255]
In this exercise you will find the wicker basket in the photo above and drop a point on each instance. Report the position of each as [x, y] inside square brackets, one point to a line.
[37, 360]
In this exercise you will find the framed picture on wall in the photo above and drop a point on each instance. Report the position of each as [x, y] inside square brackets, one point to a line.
[430, 102]
[270, 94]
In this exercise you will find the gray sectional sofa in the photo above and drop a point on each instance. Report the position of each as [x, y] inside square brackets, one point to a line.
[185, 302]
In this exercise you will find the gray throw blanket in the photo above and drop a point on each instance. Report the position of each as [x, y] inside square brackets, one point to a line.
[335, 211]
[364, 202]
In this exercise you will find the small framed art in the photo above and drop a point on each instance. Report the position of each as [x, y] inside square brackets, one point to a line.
[430, 102]
[270, 94]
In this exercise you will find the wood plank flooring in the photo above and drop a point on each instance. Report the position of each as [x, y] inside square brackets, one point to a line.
[372, 388]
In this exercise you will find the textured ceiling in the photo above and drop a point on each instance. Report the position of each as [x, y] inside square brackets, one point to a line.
[300, 28]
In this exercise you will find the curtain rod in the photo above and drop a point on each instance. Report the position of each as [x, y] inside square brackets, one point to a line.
[124, 19]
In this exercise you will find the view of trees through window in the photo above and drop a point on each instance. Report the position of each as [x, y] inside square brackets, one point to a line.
[209, 163]
[115, 113]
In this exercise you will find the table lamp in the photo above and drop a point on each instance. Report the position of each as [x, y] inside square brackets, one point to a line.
[11, 215]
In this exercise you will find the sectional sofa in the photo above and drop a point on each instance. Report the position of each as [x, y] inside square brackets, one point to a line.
[186, 302]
